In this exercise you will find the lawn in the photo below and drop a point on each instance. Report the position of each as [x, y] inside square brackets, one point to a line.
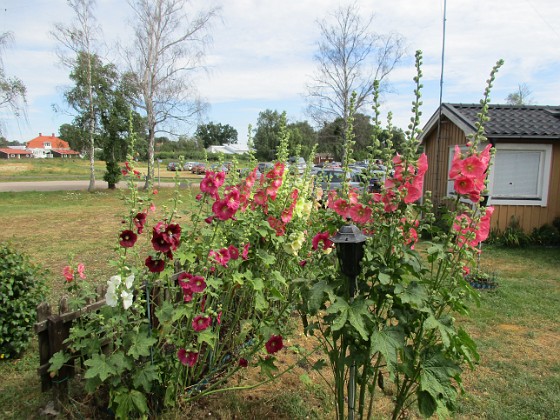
[516, 325]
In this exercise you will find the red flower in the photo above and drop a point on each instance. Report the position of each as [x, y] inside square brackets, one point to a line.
[68, 273]
[197, 284]
[201, 322]
[243, 362]
[155, 266]
[277, 225]
[128, 238]
[81, 271]
[360, 214]
[233, 252]
[222, 210]
[245, 253]
[159, 242]
[139, 221]
[341, 207]
[187, 358]
[172, 235]
[274, 344]
[321, 237]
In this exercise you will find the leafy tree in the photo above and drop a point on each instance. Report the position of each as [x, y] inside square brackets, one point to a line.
[301, 136]
[267, 134]
[12, 89]
[212, 134]
[168, 49]
[79, 38]
[75, 136]
[520, 97]
[351, 57]
[329, 137]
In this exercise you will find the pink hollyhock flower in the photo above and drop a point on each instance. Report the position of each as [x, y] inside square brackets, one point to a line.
[484, 227]
[139, 221]
[81, 271]
[243, 362]
[233, 252]
[485, 155]
[160, 242]
[277, 171]
[473, 167]
[277, 225]
[463, 185]
[360, 214]
[321, 237]
[68, 273]
[456, 164]
[422, 164]
[198, 197]
[221, 257]
[201, 322]
[260, 198]
[466, 270]
[209, 219]
[152, 207]
[154, 266]
[233, 200]
[128, 238]
[341, 207]
[222, 210]
[209, 185]
[287, 215]
[414, 190]
[245, 253]
[274, 344]
[219, 318]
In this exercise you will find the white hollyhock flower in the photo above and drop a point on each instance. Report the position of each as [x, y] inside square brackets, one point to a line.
[127, 299]
[129, 281]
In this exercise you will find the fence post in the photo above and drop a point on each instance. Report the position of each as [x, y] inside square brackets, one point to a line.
[43, 313]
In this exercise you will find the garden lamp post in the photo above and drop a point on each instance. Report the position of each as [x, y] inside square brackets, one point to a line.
[349, 241]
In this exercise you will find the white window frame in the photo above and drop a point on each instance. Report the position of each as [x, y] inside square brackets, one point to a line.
[543, 175]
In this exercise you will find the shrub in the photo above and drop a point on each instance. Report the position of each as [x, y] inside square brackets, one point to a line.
[21, 290]
[546, 235]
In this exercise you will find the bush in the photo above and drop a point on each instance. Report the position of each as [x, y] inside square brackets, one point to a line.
[546, 235]
[21, 290]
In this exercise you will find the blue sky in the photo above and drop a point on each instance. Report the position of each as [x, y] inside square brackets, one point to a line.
[262, 54]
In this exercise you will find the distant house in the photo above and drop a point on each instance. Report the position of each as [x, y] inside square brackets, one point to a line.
[524, 181]
[228, 149]
[12, 153]
[49, 147]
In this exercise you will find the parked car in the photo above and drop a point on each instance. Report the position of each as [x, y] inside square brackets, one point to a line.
[299, 163]
[199, 169]
[265, 167]
[173, 166]
[331, 179]
[189, 165]
[219, 168]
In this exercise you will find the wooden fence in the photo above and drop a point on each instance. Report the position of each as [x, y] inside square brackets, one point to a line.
[53, 330]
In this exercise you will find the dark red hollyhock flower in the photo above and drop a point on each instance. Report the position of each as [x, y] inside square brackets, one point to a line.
[155, 266]
[243, 362]
[233, 252]
[139, 221]
[274, 344]
[172, 234]
[128, 238]
[160, 243]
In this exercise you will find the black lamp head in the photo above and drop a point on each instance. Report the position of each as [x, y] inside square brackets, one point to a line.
[349, 241]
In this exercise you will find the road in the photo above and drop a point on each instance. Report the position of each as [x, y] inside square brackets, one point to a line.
[66, 185]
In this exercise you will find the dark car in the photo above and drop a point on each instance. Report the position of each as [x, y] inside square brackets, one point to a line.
[199, 169]
[172, 166]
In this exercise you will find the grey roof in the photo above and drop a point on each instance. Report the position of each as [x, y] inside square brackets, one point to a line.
[506, 121]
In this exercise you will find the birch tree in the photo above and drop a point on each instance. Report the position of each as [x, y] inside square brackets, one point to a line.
[12, 90]
[169, 47]
[79, 39]
[350, 58]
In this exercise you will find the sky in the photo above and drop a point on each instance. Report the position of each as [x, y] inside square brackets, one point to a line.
[262, 53]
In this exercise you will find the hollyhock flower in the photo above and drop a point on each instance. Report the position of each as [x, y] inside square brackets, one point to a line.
[233, 252]
[219, 318]
[232, 199]
[198, 197]
[127, 299]
[111, 298]
[422, 165]
[274, 344]
[473, 167]
[209, 219]
[302, 263]
[154, 266]
[124, 172]
[414, 190]
[68, 273]
[222, 210]
[203, 303]
[341, 207]
[81, 271]
[321, 237]
[197, 284]
[287, 215]
[187, 358]
[221, 257]
[360, 214]
[172, 235]
[152, 207]
[276, 172]
[160, 242]
[464, 185]
[210, 184]
[243, 362]
[201, 322]
[277, 225]
[139, 221]
[245, 253]
[483, 227]
[128, 238]
[466, 270]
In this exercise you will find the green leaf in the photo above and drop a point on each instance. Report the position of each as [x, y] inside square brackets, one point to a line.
[119, 362]
[340, 320]
[267, 366]
[257, 283]
[278, 277]
[388, 342]
[358, 311]
[98, 367]
[141, 346]
[446, 332]
[316, 297]
[414, 294]
[319, 364]
[207, 336]
[261, 303]
[266, 258]
[384, 278]
[145, 377]
[59, 359]
[427, 405]
[436, 374]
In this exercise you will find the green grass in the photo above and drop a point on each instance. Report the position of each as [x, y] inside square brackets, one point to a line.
[516, 326]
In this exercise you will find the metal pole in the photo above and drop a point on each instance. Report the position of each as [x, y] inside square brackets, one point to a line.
[352, 379]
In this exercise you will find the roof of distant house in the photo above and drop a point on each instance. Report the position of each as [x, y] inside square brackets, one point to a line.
[66, 151]
[15, 151]
[506, 121]
[55, 142]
